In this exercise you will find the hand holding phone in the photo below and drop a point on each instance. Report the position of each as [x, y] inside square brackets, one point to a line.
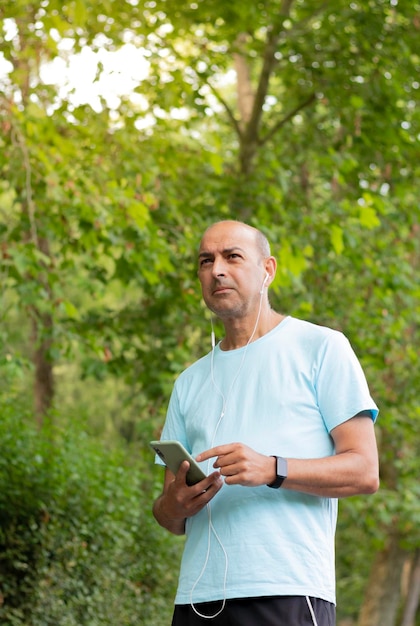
[173, 454]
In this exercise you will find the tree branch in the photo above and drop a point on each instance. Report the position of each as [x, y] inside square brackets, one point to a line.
[19, 140]
[245, 91]
[269, 63]
[227, 107]
[285, 119]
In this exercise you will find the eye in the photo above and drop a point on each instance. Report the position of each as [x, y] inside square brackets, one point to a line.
[205, 261]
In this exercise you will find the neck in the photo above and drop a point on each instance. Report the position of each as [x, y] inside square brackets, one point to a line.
[240, 332]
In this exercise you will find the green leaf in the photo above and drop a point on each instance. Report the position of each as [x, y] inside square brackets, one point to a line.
[80, 12]
[336, 237]
[139, 212]
[368, 217]
[71, 311]
[216, 161]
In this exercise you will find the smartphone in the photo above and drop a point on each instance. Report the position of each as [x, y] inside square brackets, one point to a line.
[172, 454]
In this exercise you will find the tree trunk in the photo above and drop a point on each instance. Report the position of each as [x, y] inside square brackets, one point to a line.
[413, 593]
[245, 91]
[384, 587]
[42, 340]
[43, 377]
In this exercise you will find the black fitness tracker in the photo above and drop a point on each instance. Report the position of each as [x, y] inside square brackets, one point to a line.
[281, 472]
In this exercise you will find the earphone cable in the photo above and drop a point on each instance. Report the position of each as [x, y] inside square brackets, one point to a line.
[211, 529]
[311, 611]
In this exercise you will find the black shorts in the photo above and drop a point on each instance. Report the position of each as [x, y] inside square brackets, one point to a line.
[265, 611]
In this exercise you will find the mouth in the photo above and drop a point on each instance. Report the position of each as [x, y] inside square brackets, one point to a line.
[221, 289]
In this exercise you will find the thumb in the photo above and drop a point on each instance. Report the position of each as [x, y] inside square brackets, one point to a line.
[181, 475]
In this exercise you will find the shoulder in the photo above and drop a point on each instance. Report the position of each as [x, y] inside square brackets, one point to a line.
[317, 344]
[198, 369]
[314, 333]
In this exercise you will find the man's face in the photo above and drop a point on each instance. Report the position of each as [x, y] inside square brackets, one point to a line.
[230, 269]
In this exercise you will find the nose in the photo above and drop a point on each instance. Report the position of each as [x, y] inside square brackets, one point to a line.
[218, 268]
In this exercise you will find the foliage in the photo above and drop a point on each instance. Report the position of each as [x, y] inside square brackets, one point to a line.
[101, 209]
[78, 542]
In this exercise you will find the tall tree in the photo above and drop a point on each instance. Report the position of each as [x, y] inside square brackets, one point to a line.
[327, 131]
[299, 119]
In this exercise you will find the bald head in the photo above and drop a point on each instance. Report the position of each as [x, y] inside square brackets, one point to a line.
[235, 268]
[260, 240]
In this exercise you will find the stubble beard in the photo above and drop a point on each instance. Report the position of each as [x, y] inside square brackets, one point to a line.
[226, 312]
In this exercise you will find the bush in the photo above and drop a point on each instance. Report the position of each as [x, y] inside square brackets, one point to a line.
[78, 542]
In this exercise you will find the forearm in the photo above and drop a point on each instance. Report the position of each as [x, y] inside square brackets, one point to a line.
[173, 525]
[352, 470]
[338, 476]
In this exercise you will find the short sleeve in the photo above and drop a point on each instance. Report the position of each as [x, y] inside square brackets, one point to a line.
[174, 428]
[341, 386]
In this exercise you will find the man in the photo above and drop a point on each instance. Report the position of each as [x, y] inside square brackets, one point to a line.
[280, 417]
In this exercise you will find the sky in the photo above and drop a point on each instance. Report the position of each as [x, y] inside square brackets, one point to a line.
[75, 73]
[121, 73]
[79, 83]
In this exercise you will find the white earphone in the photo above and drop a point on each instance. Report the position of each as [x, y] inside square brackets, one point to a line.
[267, 276]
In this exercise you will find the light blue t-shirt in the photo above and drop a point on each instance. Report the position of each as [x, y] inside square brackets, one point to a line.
[282, 395]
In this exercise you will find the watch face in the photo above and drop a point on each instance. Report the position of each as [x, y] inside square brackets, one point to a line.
[281, 472]
[281, 467]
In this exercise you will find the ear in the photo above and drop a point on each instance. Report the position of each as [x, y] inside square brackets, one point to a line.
[270, 265]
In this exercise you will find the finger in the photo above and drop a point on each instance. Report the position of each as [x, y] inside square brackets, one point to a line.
[225, 461]
[208, 454]
[212, 481]
[230, 470]
[181, 475]
[204, 491]
[215, 485]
